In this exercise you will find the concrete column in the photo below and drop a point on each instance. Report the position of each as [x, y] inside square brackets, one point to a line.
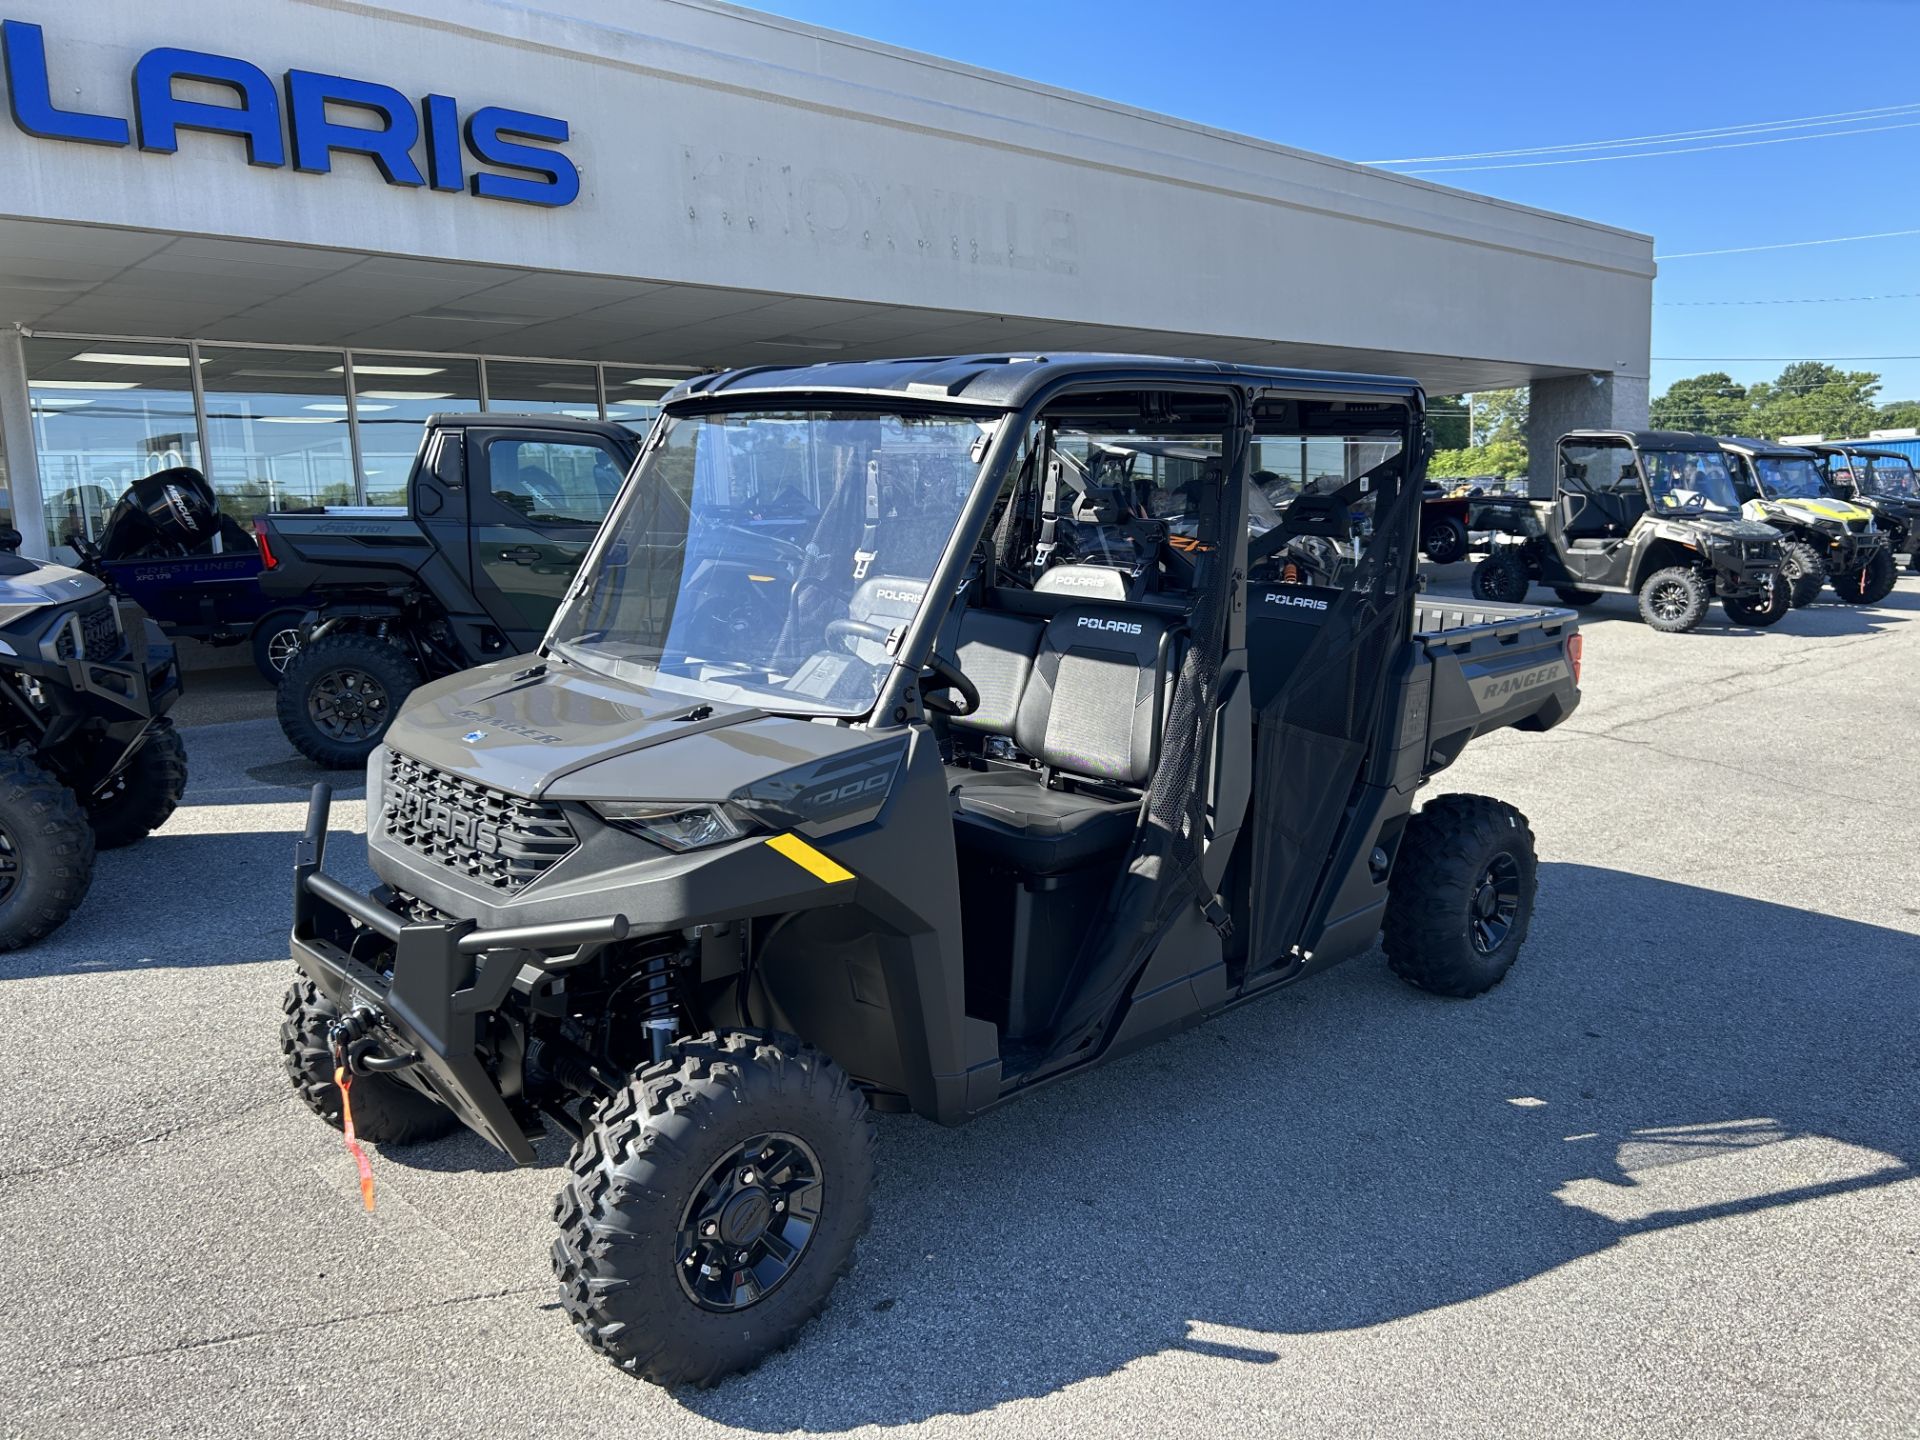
[1583, 402]
[22, 455]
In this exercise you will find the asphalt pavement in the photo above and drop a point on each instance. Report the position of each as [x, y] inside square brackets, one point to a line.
[1661, 1182]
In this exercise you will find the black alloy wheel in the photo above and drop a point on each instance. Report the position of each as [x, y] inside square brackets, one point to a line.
[749, 1221]
[348, 704]
[9, 864]
[1669, 600]
[1495, 904]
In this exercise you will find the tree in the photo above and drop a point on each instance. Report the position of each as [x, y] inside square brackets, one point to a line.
[1812, 397]
[1898, 415]
[1447, 417]
[1500, 415]
[1714, 404]
[1504, 458]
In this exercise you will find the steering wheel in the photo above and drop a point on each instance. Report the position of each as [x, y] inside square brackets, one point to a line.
[942, 675]
[839, 632]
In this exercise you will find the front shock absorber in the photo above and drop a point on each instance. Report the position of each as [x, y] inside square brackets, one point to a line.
[658, 1013]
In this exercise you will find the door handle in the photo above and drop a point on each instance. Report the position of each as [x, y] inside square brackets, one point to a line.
[521, 554]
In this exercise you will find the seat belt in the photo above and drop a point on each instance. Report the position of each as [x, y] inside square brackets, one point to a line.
[1049, 516]
[863, 558]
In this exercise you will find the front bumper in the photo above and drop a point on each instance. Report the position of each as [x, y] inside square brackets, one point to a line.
[432, 995]
[1853, 551]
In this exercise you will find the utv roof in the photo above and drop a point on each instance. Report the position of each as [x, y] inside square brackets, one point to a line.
[1651, 439]
[1875, 448]
[522, 421]
[1751, 445]
[1010, 381]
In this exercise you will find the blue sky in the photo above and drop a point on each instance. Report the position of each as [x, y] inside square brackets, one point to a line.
[1390, 80]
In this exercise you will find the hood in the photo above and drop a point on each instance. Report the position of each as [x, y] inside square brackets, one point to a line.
[1807, 511]
[556, 732]
[1732, 529]
[28, 584]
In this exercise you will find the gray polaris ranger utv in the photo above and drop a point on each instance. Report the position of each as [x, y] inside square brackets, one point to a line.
[965, 809]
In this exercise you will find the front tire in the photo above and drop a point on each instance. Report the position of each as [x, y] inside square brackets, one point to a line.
[1768, 608]
[1445, 540]
[1674, 601]
[137, 801]
[1868, 585]
[46, 852]
[339, 694]
[384, 1109]
[1461, 897]
[1501, 577]
[1804, 571]
[679, 1257]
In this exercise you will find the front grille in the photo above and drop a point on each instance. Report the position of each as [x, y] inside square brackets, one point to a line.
[501, 841]
[99, 634]
[1858, 527]
[1760, 550]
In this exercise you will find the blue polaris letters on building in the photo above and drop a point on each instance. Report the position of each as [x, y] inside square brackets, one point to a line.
[498, 140]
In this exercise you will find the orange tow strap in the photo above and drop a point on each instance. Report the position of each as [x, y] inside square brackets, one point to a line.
[345, 1082]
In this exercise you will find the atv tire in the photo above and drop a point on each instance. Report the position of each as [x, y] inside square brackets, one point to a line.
[46, 851]
[1674, 600]
[339, 694]
[1571, 595]
[664, 1200]
[1769, 608]
[137, 801]
[1866, 586]
[384, 1109]
[1445, 540]
[1501, 577]
[1461, 897]
[1804, 571]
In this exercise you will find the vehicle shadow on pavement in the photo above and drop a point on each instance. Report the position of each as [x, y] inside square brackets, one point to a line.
[1354, 1153]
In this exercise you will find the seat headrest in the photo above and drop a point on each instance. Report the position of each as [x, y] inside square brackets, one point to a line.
[1127, 629]
[886, 597]
[1092, 582]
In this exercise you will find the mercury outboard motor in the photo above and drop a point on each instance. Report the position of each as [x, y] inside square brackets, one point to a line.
[170, 512]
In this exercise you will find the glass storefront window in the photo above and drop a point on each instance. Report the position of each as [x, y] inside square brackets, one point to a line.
[393, 396]
[633, 395]
[105, 413]
[276, 429]
[528, 387]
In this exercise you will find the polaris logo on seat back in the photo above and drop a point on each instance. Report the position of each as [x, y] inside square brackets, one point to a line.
[1492, 690]
[1096, 622]
[1305, 602]
[406, 806]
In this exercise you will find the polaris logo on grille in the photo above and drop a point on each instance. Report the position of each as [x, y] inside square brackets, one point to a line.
[425, 814]
[1095, 622]
[1305, 602]
[1492, 690]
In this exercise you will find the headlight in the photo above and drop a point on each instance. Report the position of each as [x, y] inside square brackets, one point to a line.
[676, 826]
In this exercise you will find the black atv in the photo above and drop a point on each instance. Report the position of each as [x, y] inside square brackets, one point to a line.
[1647, 513]
[960, 815]
[89, 761]
[1822, 538]
[1880, 481]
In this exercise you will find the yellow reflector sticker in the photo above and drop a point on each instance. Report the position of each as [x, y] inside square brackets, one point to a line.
[809, 859]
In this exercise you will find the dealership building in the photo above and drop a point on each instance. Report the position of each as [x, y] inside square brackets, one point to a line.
[267, 239]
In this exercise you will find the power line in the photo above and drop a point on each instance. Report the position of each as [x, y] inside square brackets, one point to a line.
[1706, 133]
[1655, 154]
[1800, 300]
[1789, 245]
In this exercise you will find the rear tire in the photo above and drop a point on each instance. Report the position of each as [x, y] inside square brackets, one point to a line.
[276, 643]
[1867, 586]
[340, 693]
[1461, 897]
[138, 800]
[1804, 571]
[1502, 578]
[1769, 608]
[1569, 595]
[46, 852]
[1674, 601]
[384, 1109]
[642, 1192]
[1445, 540]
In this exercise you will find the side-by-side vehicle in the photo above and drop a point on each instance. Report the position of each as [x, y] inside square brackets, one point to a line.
[1823, 538]
[1881, 481]
[1647, 513]
[1038, 750]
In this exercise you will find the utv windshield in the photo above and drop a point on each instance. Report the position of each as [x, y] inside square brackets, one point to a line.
[1689, 480]
[1892, 476]
[773, 557]
[1785, 477]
